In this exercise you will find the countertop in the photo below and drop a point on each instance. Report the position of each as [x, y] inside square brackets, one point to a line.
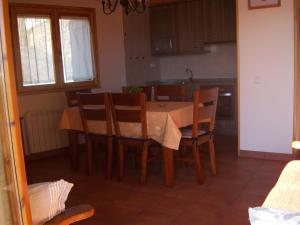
[211, 81]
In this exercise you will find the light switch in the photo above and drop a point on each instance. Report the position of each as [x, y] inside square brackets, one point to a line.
[256, 80]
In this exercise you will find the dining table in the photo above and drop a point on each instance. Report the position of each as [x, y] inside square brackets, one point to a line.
[164, 120]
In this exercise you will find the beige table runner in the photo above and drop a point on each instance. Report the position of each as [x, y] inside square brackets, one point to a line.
[163, 119]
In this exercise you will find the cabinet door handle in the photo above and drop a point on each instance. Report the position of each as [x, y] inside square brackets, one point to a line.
[171, 43]
[225, 94]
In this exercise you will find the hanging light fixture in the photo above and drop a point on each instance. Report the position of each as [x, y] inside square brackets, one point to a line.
[109, 6]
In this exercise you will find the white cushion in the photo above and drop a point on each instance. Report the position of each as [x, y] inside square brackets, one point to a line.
[268, 216]
[47, 200]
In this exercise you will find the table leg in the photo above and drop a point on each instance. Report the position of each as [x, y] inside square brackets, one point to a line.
[168, 166]
[73, 149]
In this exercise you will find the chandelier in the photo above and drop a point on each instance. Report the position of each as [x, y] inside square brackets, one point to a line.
[109, 6]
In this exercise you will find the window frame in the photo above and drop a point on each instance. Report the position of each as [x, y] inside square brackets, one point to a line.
[54, 13]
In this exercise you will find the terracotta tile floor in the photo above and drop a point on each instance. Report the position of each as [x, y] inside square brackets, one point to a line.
[222, 200]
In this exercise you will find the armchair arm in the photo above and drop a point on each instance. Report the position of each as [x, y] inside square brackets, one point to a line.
[72, 215]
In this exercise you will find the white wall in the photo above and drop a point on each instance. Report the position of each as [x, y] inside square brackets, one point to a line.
[266, 77]
[219, 63]
[111, 54]
[140, 65]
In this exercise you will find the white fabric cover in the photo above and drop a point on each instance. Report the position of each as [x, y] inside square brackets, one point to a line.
[285, 194]
[267, 216]
[47, 200]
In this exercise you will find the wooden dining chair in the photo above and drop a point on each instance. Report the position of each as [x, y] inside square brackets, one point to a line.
[95, 107]
[72, 96]
[131, 108]
[72, 215]
[170, 93]
[205, 105]
[145, 89]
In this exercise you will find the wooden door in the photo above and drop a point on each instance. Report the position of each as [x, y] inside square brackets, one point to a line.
[162, 28]
[14, 200]
[189, 24]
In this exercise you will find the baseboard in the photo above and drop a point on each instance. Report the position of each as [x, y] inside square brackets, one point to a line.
[266, 155]
[47, 154]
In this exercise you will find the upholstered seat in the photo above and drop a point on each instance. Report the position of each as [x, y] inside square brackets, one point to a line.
[187, 132]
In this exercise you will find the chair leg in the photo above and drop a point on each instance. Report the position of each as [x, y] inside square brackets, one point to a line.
[89, 156]
[184, 152]
[212, 157]
[198, 166]
[144, 163]
[109, 157]
[133, 158]
[121, 160]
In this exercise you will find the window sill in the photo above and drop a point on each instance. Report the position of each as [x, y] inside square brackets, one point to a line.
[45, 90]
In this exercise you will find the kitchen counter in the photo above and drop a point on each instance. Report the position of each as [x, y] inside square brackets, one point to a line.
[211, 81]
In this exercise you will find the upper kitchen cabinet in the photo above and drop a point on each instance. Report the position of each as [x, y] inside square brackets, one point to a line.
[229, 20]
[189, 27]
[219, 21]
[162, 30]
[184, 27]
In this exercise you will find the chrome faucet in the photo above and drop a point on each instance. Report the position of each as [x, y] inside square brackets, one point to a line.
[189, 72]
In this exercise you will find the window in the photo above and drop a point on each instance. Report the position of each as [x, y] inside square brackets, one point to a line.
[36, 52]
[76, 49]
[56, 47]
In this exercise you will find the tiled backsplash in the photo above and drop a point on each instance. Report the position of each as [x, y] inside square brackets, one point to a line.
[221, 62]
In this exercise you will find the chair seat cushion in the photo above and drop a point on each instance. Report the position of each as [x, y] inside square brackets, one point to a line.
[48, 200]
[187, 132]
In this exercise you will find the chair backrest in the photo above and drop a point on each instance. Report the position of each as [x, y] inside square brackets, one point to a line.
[129, 108]
[170, 93]
[205, 107]
[95, 107]
[145, 89]
[148, 92]
[72, 97]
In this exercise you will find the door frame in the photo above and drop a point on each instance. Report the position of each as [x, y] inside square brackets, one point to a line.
[296, 135]
[13, 112]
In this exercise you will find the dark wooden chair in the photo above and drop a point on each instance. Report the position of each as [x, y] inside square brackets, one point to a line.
[170, 93]
[72, 215]
[205, 105]
[145, 89]
[148, 92]
[72, 96]
[131, 108]
[96, 107]
[72, 101]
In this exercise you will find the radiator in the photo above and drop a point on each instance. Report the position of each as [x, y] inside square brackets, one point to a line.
[41, 133]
